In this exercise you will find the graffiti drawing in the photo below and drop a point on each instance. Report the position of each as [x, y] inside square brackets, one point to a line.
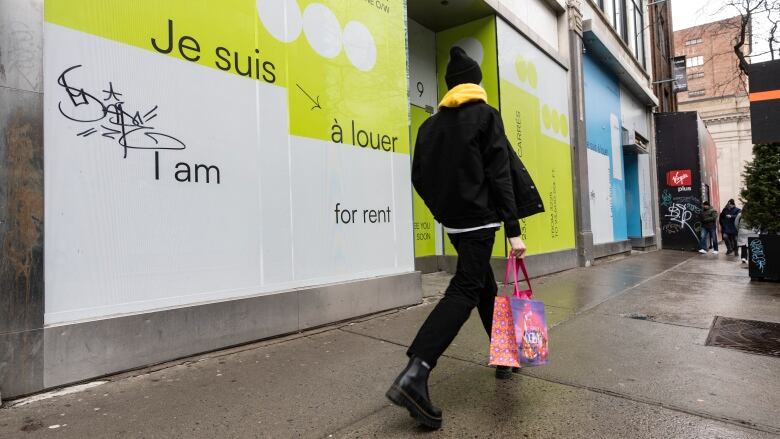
[680, 215]
[130, 129]
[666, 198]
[757, 254]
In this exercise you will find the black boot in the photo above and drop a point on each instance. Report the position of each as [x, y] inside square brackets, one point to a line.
[505, 372]
[410, 390]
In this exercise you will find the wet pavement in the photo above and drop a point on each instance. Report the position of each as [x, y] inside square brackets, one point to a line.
[628, 361]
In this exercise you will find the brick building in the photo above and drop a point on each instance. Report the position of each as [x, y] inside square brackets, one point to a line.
[713, 69]
[718, 91]
[661, 53]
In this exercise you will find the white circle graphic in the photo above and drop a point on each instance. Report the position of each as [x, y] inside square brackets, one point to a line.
[322, 30]
[359, 46]
[473, 48]
[282, 18]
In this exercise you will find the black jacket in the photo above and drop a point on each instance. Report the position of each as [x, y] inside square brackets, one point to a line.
[727, 218]
[708, 217]
[467, 172]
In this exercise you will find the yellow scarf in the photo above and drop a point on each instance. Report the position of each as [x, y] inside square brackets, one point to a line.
[462, 94]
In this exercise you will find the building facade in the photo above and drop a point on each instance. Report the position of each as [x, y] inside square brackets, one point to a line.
[687, 177]
[661, 54]
[178, 178]
[619, 102]
[718, 91]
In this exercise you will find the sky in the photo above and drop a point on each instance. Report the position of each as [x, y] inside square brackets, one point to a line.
[689, 13]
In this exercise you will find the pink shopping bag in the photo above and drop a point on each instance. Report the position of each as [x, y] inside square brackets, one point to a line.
[530, 325]
[503, 340]
[519, 330]
[503, 343]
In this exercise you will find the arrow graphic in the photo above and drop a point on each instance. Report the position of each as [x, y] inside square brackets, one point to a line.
[316, 102]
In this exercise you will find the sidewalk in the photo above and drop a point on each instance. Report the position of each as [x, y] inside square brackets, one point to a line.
[628, 361]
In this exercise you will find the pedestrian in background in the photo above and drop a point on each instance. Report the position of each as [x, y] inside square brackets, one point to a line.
[744, 231]
[472, 181]
[728, 227]
[709, 218]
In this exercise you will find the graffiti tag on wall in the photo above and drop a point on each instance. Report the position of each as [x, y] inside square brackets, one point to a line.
[682, 213]
[130, 129]
[757, 254]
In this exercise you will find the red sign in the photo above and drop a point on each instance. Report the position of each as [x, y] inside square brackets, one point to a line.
[679, 177]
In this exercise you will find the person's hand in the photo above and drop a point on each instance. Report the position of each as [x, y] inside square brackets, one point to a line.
[518, 247]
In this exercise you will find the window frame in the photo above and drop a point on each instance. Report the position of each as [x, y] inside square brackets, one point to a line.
[619, 12]
[689, 61]
[639, 32]
[619, 17]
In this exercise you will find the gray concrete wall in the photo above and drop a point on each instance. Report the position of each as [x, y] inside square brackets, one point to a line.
[645, 243]
[580, 186]
[611, 249]
[427, 264]
[80, 351]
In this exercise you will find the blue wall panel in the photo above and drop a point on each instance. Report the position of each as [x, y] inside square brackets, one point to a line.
[602, 125]
[632, 196]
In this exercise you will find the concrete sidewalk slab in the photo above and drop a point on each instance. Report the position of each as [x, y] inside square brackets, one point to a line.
[645, 264]
[298, 388]
[478, 406]
[687, 276]
[582, 290]
[664, 364]
[676, 301]
[721, 265]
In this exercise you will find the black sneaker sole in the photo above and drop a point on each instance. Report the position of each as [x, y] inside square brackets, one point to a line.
[397, 396]
[503, 374]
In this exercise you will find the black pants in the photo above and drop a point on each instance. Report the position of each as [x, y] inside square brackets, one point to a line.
[472, 286]
[743, 252]
[731, 242]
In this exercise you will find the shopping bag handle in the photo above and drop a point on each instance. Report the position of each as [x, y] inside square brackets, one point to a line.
[530, 290]
[513, 264]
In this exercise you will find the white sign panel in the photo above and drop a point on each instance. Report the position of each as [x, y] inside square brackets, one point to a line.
[600, 197]
[170, 183]
[645, 195]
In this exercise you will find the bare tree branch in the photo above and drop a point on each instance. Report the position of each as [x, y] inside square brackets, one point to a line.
[746, 8]
[773, 15]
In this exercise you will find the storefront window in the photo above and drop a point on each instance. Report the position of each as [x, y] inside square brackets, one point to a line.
[608, 6]
[639, 33]
[631, 30]
[627, 17]
[619, 20]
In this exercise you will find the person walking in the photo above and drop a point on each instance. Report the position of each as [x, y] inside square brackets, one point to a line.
[470, 178]
[728, 228]
[709, 227]
[744, 231]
